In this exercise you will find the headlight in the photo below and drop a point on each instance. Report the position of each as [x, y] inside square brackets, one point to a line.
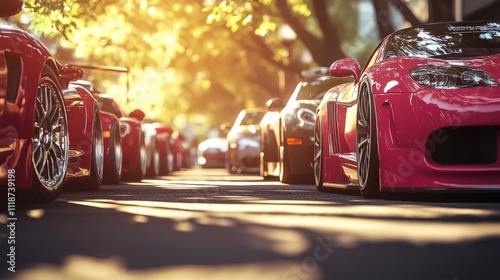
[451, 76]
[125, 129]
[306, 116]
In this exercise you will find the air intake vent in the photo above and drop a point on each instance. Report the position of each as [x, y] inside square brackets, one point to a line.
[13, 76]
[464, 145]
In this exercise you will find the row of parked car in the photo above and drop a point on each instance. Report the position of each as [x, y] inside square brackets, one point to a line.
[422, 115]
[57, 131]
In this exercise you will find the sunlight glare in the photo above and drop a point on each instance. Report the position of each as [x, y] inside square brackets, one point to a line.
[35, 213]
[349, 224]
[87, 268]
[152, 10]
[139, 219]
[284, 241]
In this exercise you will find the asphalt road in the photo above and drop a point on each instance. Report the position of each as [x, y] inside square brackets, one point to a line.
[207, 224]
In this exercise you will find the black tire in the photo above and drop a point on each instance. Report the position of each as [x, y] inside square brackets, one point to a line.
[231, 168]
[318, 156]
[94, 181]
[154, 165]
[170, 157]
[177, 161]
[367, 148]
[96, 169]
[285, 175]
[113, 170]
[50, 140]
[266, 155]
[165, 160]
[139, 171]
[264, 173]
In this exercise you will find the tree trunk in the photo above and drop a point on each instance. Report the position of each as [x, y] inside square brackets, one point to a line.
[441, 10]
[407, 13]
[383, 15]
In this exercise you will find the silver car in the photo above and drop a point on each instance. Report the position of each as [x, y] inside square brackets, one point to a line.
[244, 142]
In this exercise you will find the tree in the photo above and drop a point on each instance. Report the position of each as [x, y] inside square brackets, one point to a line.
[210, 58]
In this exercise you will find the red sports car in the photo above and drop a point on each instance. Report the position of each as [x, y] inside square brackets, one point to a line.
[113, 153]
[103, 138]
[34, 129]
[152, 140]
[180, 148]
[423, 114]
[86, 145]
[163, 141]
[133, 140]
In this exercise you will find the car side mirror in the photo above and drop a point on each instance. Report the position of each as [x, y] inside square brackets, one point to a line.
[68, 73]
[137, 114]
[346, 67]
[275, 104]
[10, 7]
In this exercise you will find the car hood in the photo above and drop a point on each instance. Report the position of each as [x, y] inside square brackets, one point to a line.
[300, 112]
[298, 104]
[392, 75]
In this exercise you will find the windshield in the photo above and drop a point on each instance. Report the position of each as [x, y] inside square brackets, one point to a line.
[252, 118]
[107, 106]
[441, 40]
[316, 89]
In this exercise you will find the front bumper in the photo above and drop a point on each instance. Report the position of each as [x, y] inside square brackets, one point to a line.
[425, 139]
[245, 155]
[300, 156]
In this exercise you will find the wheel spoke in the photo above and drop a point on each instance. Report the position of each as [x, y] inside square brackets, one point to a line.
[45, 99]
[38, 153]
[41, 160]
[53, 168]
[39, 110]
[317, 164]
[55, 116]
[363, 165]
[50, 169]
[363, 149]
[362, 125]
[317, 151]
[57, 150]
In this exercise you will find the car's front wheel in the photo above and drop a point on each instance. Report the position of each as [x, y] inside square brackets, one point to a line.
[285, 173]
[231, 167]
[50, 139]
[366, 139]
[139, 171]
[113, 172]
[165, 159]
[97, 157]
[318, 155]
[153, 168]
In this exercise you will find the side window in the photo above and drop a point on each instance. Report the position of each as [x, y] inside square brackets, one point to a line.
[376, 55]
[373, 59]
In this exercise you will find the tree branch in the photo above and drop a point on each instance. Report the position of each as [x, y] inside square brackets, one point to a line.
[407, 13]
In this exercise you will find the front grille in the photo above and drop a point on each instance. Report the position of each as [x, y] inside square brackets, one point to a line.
[468, 145]
[251, 161]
